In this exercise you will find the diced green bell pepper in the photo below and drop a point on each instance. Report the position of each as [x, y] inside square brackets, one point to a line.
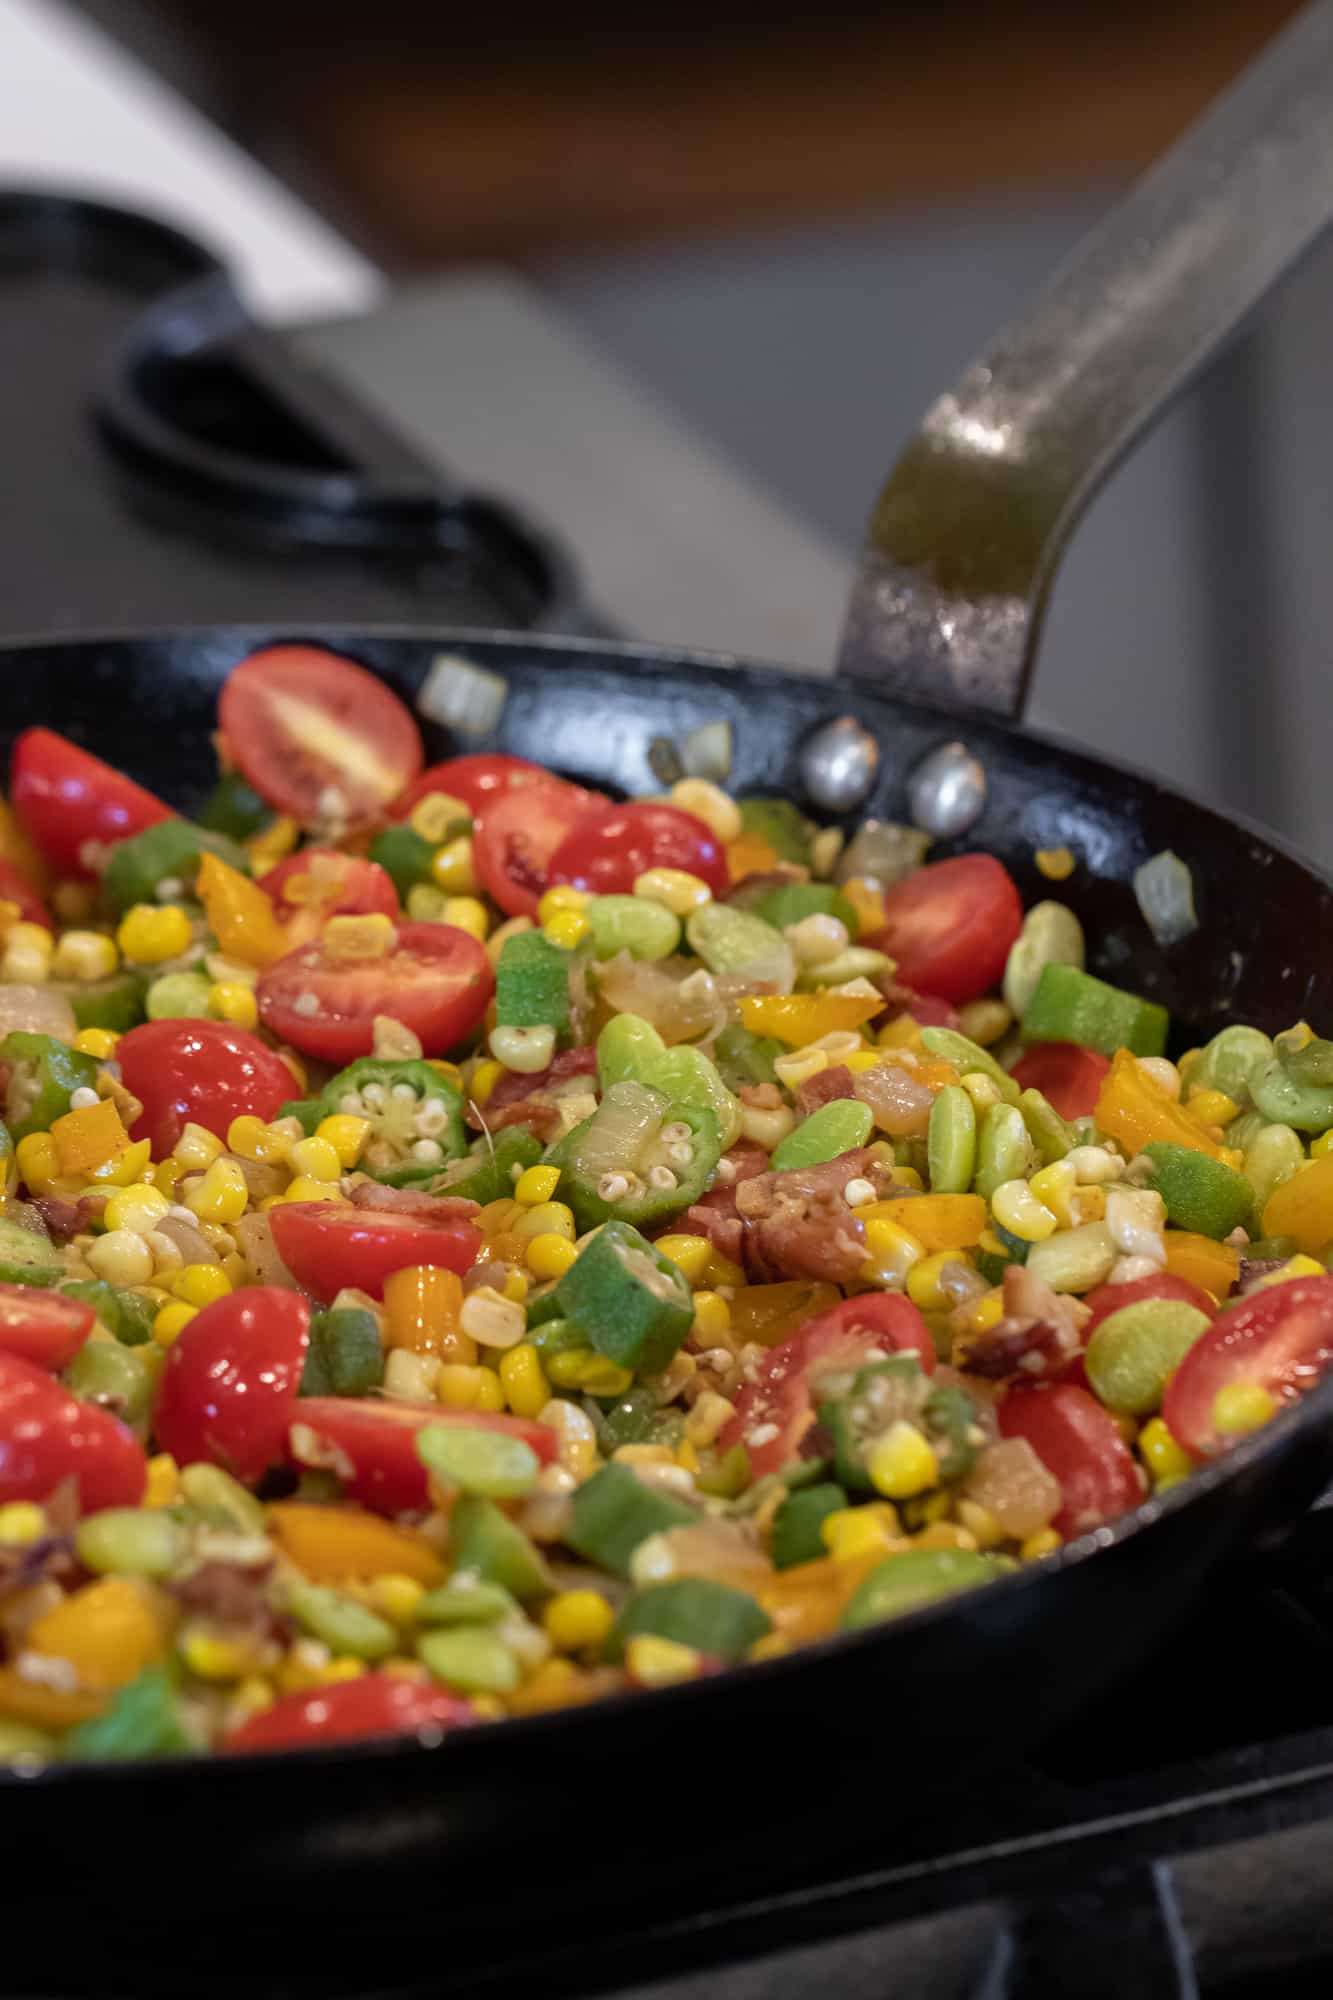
[233, 808]
[633, 1303]
[795, 1536]
[795, 901]
[611, 1513]
[345, 1356]
[167, 851]
[1201, 1194]
[1072, 1006]
[404, 856]
[43, 1075]
[640, 1158]
[713, 1618]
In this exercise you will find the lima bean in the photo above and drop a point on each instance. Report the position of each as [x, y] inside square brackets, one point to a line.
[832, 1130]
[466, 1601]
[120, 1377]
[1074, 1260]
[968, 1058]
[646, 930]
[1004, 1151]
[1231, 1059]
[470, 1659]
[1133, 1352]
[344, 1625]
[1271, 1159]
[130, 1541]
[214, 1491]
[1281, 1098]
[491, 1463]
[858, 961]
[1049, 1133]
[951, 1141]
[732, 940]
[1051, 935]
[176, 996]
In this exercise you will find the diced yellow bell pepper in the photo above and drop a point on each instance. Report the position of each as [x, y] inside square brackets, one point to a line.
[123, 1168]
[1303, 1206]
[770, 1313]
[109, 1631]
[902, 1032]
[800, 1018]
[340, 1544]
[806, 1601]
[91, 1137]
[1136, 1111]
[938, 1221]
[750, 855]
[1201, 1261]
[44, 1707]
[240, 915]
[868, 903]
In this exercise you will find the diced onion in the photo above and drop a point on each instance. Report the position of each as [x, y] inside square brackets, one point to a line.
[882, 852]
[1164, 888]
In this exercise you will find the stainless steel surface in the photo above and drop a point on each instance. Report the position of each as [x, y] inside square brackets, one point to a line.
[967, 532]
[947, 791]
[838, 764]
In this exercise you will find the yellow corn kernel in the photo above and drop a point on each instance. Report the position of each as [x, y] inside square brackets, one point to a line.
[1056, 1187]
[121, 1257]
[132, 1164]
[659, 1663]
[255, 1140]
[165, 1176]
[163, 1485]
[237, 1270]
[944, 1535]
[537, 1185]
[850, 1533]
[576, 1440]
[902, 1463]
[923, 1280]
[1018, 1210]
[218, 1656]
[687, 1458]
[549, 1255]
[434, 814]
[90, 1137]
[250, 1696]
[84, 955]
[345, 1134]
[982, 1314]
[1044, 1543]
[354, 939]
[464, 1387]
[523, 1380]
[1212, 1107]
[451, 867]
[200, 1284]
[980, 1523]
[559, 899]
[150, 933]
[196, 1148]
[26, 959]
[1165, 1459]
[396, 1596]
[171, 1321]
[567, 928]
[549, 1218]
[584, 1368]
[577, 1621]
[22, 1522]
[466, 913]
[515, 1287]
[689, 1254]
[221, 1196]
[306, 1188]
[1242, 1407]
[229, 1000]
[99, 1042]
[712, 1317]
[138, 1208]
[800, 1065]
[868, 903]
[902, 1032]
[891, 1253]
[316, 1158]
[708, 802]
[862, 1059]
[1055, 863]
[680, 891]
[708, 1418]
[484, 1079]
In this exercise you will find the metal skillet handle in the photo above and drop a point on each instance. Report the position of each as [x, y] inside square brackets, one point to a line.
[964, 541]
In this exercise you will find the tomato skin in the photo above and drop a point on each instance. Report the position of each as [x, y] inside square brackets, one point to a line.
[1107, 1299]
[67, 798]
[950, 925]
[358, 738]
[1280, 1338]
[47, 1435]
[1068, 1077]
[202, 1073]
[43, 1327]
[327, 1245]
[230, 1382]
[16, 888]
[1077, 1441]
[371, 1705]
[378, 1441]
[358, 888]
[516, 833]
[882, 1322]
[476, 780]
[605, 854]
[437, 981]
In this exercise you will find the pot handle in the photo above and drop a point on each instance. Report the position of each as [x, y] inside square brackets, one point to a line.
[963, 544]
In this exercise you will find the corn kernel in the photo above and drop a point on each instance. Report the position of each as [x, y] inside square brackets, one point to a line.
[712, 1316]
[434, 814]
[172, 1321]
[1212, 1107]
[583, 1368]
[576, 1440]
[162, 1487]
[1055, 863]
[84, 955]
[862, 1059]
[577, 1621]
[200, 1284]
[484, 1079]
[556, 901]
[137, 1208]
[150, 933]
[1242, 1407]
[708, 802]
[22, 1522]
[396, 1596]
[680, 891]
[354, 939]
[1044, 1543]
[1018, 1210]
[222, 1194]
[121, 1257]
[537, 1185]
[523, 1381]
[567, 928]
[345, 1134]
[1166, 1460]
[944, 1535]
[658, 1663]
[892, 1252]
[923, 1280]
[852, 1532]
[1299, 1266]
[469, 1388]
[549, 1255]
[196, 1148]
[317, 1159]
[165, 1176]
[99, 1042]
[1055, 1188]
[800, 1065]
[708, 1418]
[451, 867]
[984, 1021]
[214, 1656]
[250, 1696]
[689, 1254]
[550, 1218]
[255, 1140]
[306, 1188]
[466, 913]
[229, 1000]
[902, 1463]
[982, 1314]
[980, 1523]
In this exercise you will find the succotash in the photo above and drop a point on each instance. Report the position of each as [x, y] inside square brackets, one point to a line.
[469, 1247]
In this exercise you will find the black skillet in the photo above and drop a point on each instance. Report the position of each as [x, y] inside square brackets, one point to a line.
[633, 1801]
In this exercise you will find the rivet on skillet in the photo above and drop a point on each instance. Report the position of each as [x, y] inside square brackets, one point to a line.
[460, 696]
[947, 791]
[839, 762]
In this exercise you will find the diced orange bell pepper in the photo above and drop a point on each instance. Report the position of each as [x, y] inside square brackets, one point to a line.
[342, 1544]
[806, 1601]
[1201, 1261]
[240, 915]
[422, 1304]
[938, 1221]
[799, 1018]
[1303, 1206]
[109, 1631]
[556, 1684]
[41, 1706]
[91, 1137]
[1136, 1110]
[770, 1313]
[750, 855]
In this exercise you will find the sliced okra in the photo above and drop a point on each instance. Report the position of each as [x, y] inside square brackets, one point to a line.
[633, 1304]
[416, 1115]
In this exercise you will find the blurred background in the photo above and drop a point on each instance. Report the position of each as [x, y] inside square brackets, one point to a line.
[680, 279]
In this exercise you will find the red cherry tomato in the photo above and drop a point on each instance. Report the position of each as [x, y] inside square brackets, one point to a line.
[436, 981]
[846, 1335]
[1107, 1299]
[71, 801]
[231, 1379]
[16, 888]
[515, 834]
[202, 1073]
[370, 1705]
[607, 852]
[1078, 1443]
[1280, 1338]
[44, 1327]
[476, 780]
[950, 926]
[305, 726]
[48, 1436]
[327, 1245]
[340, 885]
[373, 1445]
[1067, 1076]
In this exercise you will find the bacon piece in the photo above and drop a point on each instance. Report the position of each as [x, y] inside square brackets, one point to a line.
[235, 1596]
[513, 1088]
[796, 1224]
[1038, 1337]
[65, 1220]
[413, 1201]
[924, 1008]
[823, 1087]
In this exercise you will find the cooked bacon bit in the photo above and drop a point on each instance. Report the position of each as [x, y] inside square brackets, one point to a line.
[22, 1567]
[1039, 1335]
[761, 1096]
[1026, 1295]
[924, 1008]
[64, 1220]
[901, 1106]
[233, 1595]
[797, 1224]
[411, 1201]
[725, 1232]
[1252, 1269]
[513, 1087]
[823, 1087]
